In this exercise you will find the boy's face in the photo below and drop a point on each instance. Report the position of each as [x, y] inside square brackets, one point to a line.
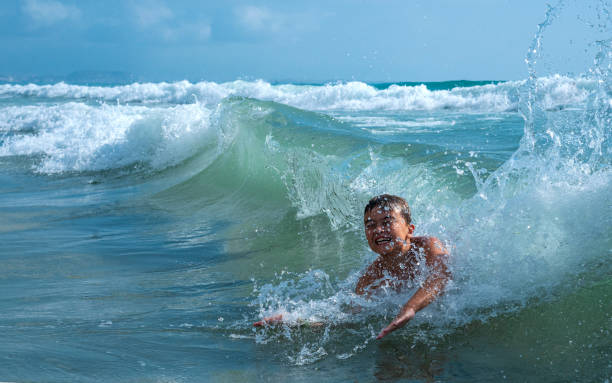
[387, 231]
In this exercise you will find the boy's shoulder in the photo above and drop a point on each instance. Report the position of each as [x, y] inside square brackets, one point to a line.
[425, 241]
[429, 245]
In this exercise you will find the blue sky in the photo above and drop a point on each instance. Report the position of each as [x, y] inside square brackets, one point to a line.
[310, 41]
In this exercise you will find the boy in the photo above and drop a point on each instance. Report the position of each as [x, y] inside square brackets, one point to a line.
[388, 229]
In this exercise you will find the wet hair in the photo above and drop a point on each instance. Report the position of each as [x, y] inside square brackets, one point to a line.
[393, 202]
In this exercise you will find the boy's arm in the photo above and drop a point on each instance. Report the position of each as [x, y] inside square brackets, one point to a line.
[274, 319]
[435, 257]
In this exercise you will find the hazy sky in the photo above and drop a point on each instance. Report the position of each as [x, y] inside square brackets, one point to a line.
[315, 40]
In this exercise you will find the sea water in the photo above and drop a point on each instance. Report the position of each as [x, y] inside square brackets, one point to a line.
[146, 226]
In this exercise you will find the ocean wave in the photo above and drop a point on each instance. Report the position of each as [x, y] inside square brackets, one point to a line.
[525, 216]
[79, 137]
[555, 91]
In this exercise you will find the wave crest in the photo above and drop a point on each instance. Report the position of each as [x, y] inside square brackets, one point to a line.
[78, 137]
[555, 91]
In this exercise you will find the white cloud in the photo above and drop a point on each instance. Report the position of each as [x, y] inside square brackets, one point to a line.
[279, 25]
[157, 19]
[260, 19]
[48, 12]
[150, 13]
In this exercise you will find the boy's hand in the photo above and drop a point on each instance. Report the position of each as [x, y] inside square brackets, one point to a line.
[399, 322]
[269, 320]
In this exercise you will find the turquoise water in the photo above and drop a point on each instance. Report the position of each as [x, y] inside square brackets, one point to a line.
[145, 227]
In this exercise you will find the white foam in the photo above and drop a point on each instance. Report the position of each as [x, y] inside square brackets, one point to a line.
[557, 91]
[79, 137]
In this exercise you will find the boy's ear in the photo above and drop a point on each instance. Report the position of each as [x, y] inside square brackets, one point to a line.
[411, 228]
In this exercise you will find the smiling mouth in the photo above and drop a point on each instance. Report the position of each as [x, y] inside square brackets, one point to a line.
[383, 241]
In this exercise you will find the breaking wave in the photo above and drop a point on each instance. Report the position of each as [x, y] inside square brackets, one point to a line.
[557, 92]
